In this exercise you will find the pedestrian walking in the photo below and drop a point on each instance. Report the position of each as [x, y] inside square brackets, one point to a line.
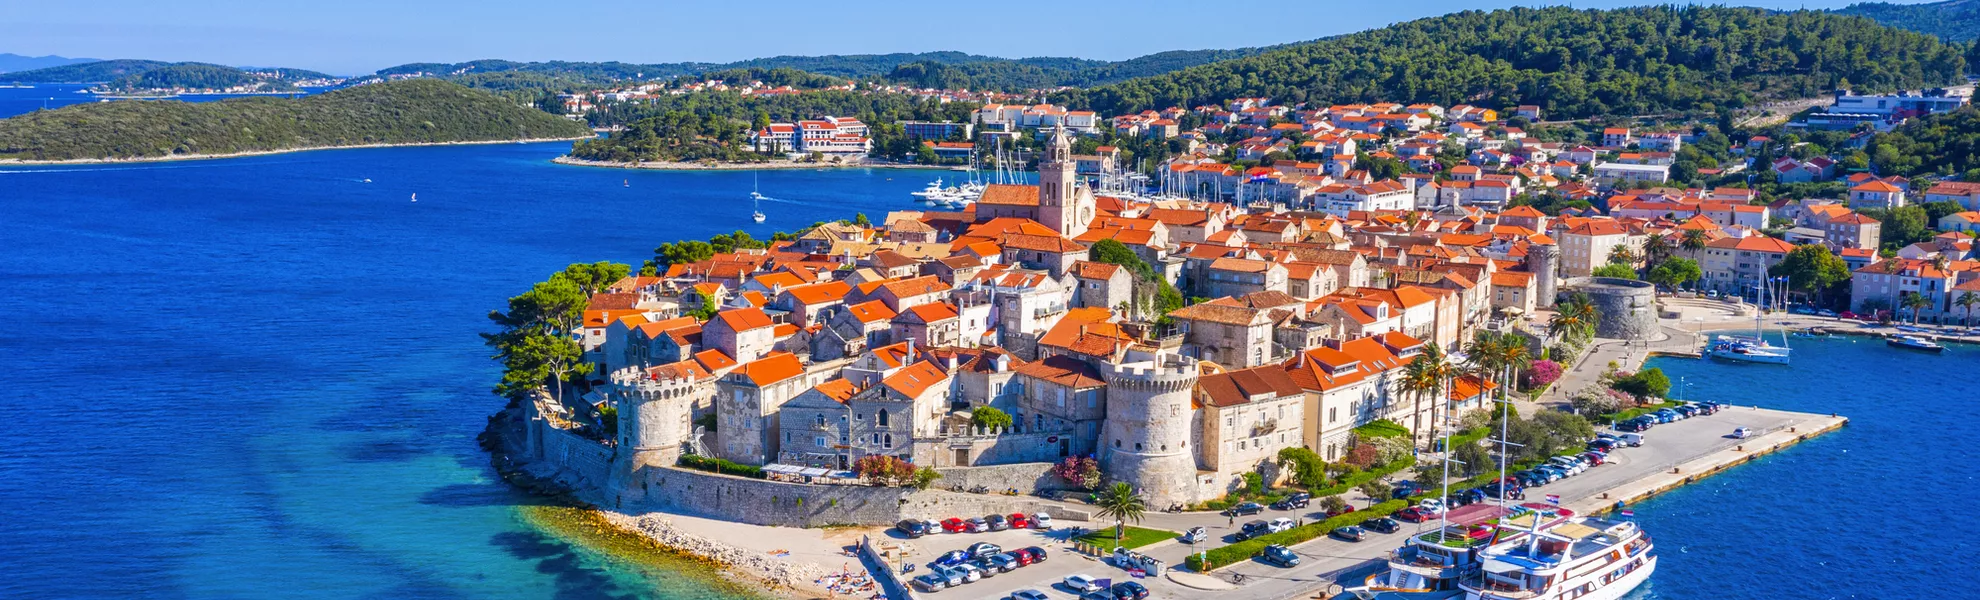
[1233, 520]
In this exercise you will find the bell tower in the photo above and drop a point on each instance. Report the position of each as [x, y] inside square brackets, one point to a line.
[1063, 204]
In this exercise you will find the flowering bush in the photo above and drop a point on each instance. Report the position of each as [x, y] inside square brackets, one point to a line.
[1362, 455]
[885, 470]
[1080, 471]
[1543, 372]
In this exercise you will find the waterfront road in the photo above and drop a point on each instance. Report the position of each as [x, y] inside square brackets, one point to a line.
[1328, 561]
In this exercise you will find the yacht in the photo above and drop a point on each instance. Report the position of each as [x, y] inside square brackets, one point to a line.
[755, 199]
[1433, 561]
[1914, 342]
[1753, 348]
[1543, 555]
[928, 194]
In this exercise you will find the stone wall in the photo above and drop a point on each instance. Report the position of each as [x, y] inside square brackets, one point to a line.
[1628, 307]
[942, 504]
[763, 502]
[579, 462]
[991, 447]
[1028, 478]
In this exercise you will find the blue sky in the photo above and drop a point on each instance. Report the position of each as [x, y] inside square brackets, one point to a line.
[360, 36]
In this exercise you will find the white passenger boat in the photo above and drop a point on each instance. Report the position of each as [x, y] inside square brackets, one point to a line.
[1914, 342]
[1539, 556]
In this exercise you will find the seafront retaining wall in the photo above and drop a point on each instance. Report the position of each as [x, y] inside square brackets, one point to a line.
[581, 463]
[1697, 469]
[764, 502]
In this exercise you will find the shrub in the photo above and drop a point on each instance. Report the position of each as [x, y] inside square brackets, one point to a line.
[1543, 372]
[1254, 483]
[1381, 428]
[716, 465]
[1351, 481]
[1390, 450]
[989, 417]
[1362, 456]
[1648, 383]
[885, 470]
[1080, 471]
[1307, 467]
[925, 477]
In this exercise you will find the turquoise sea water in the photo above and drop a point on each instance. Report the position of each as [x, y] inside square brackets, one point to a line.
[259, 377]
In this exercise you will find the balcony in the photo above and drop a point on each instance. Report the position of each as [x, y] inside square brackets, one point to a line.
[1264, 429]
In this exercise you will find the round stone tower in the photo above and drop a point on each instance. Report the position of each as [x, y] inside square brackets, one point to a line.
[1146, 440]
[1544, 260]
[654, 421]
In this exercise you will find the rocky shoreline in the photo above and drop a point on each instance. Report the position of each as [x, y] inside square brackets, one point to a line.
[781, 577]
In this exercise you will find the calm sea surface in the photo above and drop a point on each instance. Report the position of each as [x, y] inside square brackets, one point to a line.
[259, 378]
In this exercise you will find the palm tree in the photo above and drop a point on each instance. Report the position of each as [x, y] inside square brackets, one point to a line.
[1574, 320]
[1121, 503]
[1657, 245]
[1966, 301]
[1694, 241]
[1917, 303]
[1424, 376]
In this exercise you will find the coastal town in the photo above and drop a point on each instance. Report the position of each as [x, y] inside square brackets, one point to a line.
[1421, 345]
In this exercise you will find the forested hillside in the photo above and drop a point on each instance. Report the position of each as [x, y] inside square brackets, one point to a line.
[714, 126]
[1572, 63]
[90, 72]
[404, 112]
[1953, 20]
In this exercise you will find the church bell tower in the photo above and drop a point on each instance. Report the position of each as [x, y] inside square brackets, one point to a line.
[1063, 204]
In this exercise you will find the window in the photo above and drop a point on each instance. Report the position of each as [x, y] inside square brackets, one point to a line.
[883, 417]
[821, 420]
[818, 441]
[889, 441]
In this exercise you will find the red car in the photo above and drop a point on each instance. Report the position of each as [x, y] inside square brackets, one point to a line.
[955, 525]
[1023, 558]
[1414, 514]
[1345, 509]
[1019, 521]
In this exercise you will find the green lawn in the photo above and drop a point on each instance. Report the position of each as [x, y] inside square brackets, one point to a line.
[1134, 537]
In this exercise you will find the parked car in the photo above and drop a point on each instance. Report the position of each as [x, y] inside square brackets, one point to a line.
[982, 549]
[1023, 558]
[1244, 509]
[1129, 590]
[978, 525]
[1041, 521]
[970, 573]
[1528, 478]
[1595, 458]
[951, 576]
[1602, 445]
[1382, 525]
[1037, 553]
[1279, 524]
[1195, 535]
[1351, 533]
[1019, 521]
[950, 559]
[1414, 514]
[913, 528]
[997, 522]
[1082, 583]
[1403, 489]
[1029, 595]
[931, 582]
[1433, 506]
[983, 568]
[1633, 426]
[1253, 529]
[1295, 501]
[1279, 555]
[955, 525]
[1471, 496]
[1507, 489]
[1005, 562]
[1630, 439]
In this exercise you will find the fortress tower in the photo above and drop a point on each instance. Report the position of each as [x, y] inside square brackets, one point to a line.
[1544, 260]
[654, 421]
[1146, 438]
[1063, 204]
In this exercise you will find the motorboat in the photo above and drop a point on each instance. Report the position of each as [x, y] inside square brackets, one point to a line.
[1914, 342]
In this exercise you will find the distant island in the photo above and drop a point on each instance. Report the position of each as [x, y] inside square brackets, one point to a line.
[154, 78]
[414, 112]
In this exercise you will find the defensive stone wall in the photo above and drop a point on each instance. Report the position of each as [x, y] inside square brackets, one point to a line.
[1628, 307]
[580, 462]
[1026, 477]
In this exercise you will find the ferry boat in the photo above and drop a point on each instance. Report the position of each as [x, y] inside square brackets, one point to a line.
[1914, 342]
[1543, 556]
[1539, 553]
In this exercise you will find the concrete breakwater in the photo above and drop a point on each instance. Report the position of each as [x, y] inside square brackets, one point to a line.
[1701, 467]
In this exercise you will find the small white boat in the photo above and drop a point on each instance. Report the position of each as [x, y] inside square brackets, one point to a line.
[1913, 342]
[415, 197]
[755, 200]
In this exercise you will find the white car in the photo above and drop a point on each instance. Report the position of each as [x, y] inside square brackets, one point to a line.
[1279, 524]
[1082, 584]
[1432, 506]
[1041, 521]
[970, 573]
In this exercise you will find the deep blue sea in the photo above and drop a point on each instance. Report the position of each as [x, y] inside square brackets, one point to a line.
[1879, 509]
[260, 377]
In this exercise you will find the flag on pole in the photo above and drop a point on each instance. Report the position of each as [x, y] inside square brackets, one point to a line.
[1554, 499]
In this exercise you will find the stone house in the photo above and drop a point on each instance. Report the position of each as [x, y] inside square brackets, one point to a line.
[744, 334]
[1239, 276]
[1062, 393]
[1050, 253]
[929, 325]
[1248, 416]
[1102, 285]
[1233, 336]
[747, 401]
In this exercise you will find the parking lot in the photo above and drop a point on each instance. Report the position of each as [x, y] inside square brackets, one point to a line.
[1325, 560]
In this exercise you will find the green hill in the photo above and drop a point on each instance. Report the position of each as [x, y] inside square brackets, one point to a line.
[91, 72]
[403, 112]
[1953, 20]
[195, 76]
[1573, 63]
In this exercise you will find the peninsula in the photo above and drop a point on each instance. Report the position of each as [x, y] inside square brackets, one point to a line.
[418, 112]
